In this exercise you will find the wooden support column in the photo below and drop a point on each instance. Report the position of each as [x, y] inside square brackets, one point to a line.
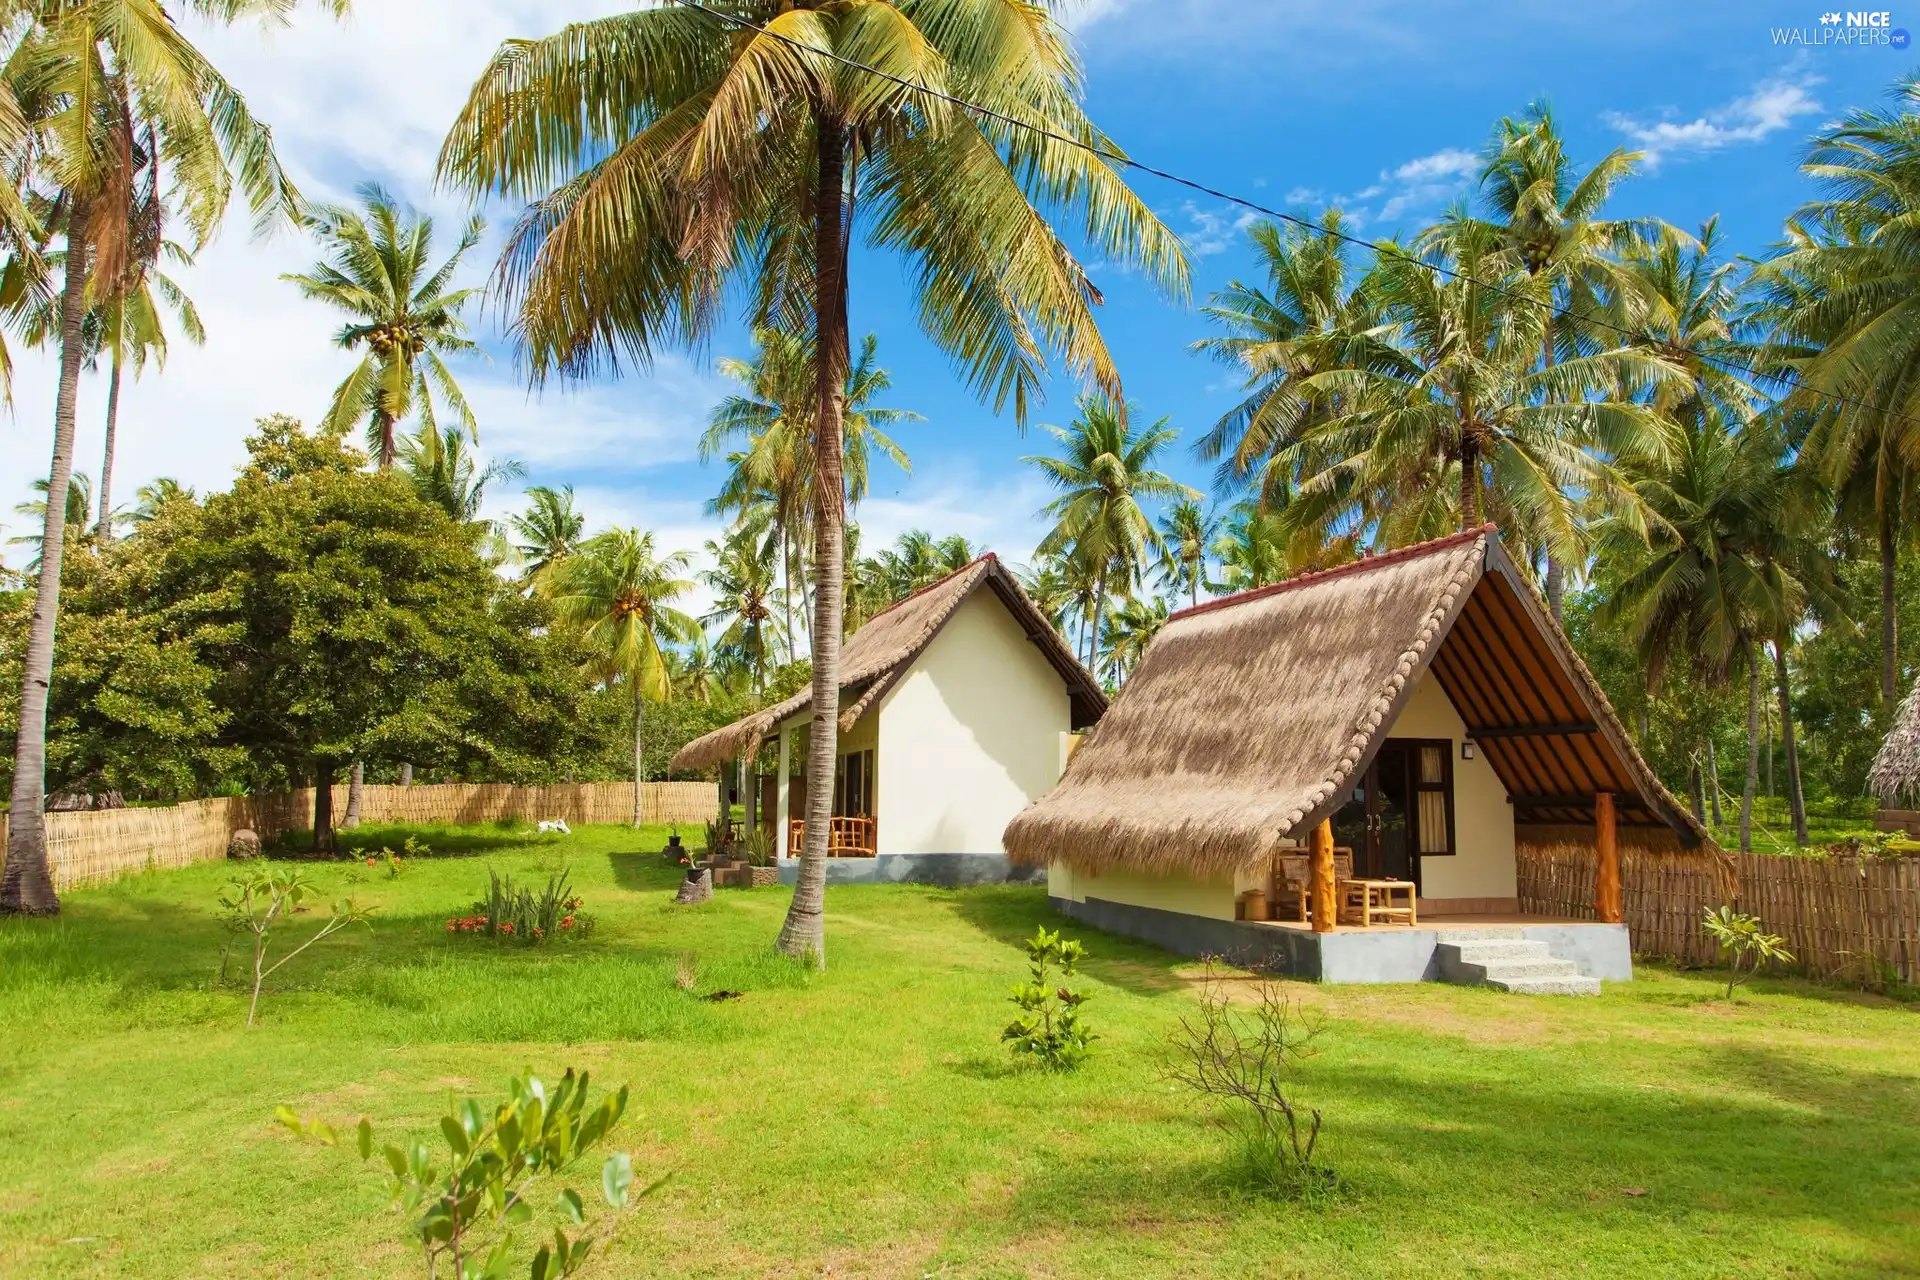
[1322, 888]
[1606, 875]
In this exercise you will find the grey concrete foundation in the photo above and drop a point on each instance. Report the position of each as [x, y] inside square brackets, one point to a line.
[1375, 955]
[948, 869]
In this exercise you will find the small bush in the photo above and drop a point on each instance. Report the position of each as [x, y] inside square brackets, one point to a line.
[1741, 936]
[258, 902]
[514, 913]
[1245, 1061]
[468, 1215]
[1049, 1029]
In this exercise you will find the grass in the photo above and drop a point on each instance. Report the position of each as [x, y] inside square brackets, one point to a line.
[865, 1120]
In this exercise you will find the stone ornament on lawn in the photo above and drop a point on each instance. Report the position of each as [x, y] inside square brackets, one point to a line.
[696, 887]
[243, 845]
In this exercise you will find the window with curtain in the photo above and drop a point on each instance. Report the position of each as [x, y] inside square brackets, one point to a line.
[1433, 788]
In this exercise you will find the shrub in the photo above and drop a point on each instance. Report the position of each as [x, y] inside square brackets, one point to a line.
[468, 1215]
[515, 913]
[756, 847]
[1245, 1061]
[255, 903]
[1740, 936]
[1049, 1029]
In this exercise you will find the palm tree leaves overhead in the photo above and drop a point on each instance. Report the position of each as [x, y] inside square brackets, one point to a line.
[404, 316]
[664, 149]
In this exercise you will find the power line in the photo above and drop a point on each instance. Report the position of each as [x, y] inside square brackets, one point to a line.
[1722, 363]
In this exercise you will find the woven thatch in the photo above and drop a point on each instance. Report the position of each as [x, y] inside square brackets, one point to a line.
[880, 652]
[1896, 770]
[1249, 717]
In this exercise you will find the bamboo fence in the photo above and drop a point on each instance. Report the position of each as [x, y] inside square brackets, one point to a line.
[98, 845]
[1842, 917]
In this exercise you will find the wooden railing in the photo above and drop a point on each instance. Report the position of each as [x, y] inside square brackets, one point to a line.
[850, 838]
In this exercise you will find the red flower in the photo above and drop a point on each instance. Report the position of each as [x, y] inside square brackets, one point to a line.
[369, 861]
[566, 922]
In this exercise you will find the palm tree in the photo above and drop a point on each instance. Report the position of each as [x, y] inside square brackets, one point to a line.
[448, 476]
[1187, 534]
[746, 598]
[1107, 471]
[693, 673]
[102, 95]
[1549, 215]
[1840, 303]
[1313, 314]
[771, 422]
[1728, 561]
[1130, 629]
[669, 153]
[617, 593]
[79, 503]
[1462, 408]
[548, 530]
[152, 497]
[403, 315]
[133, 330]
[1258, 547]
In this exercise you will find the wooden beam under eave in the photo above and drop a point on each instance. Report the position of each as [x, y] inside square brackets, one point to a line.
[1606, 872]
[1580, 728]
[1321, 887]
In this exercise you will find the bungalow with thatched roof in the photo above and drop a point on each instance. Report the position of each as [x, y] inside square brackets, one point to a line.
[1895, 776]
[1367, 744]
[956, 708]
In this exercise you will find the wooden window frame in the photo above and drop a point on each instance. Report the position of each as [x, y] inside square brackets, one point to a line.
[1445, 787]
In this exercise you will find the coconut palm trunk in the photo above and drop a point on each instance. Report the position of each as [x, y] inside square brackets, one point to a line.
[1753, 749]
[639, 748]
[356, 778]
[1796, 798]
[27, 887]
[104, 525]
[804, 933]
[1889, 604]
[1469, 482]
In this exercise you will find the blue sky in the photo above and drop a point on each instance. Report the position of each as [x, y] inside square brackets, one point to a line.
[1377, 106]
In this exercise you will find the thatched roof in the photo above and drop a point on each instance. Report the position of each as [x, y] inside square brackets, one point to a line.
[1249, 716]
[879, 653]
[1896, 770]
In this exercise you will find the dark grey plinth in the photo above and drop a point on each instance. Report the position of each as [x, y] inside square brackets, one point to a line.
[948, 869]
[1374, 955]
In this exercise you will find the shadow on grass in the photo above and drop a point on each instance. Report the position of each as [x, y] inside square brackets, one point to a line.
[1554, 1148]
[1010, 916]
[644, 872]
[443, 841]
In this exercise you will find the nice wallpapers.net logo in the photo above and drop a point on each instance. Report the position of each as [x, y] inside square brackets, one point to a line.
[1868, 29]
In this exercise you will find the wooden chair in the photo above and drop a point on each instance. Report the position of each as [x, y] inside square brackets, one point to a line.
[1292, 884]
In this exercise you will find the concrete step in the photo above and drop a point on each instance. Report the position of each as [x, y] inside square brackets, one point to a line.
[1573, 986]
[1481, 933]
[1511, 963]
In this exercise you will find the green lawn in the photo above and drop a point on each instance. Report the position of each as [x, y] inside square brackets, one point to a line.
[865, 1121]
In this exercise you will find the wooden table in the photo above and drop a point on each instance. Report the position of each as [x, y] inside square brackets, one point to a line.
[1370, 902]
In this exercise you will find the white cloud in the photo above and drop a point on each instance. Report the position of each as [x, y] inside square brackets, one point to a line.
[1215, 230]
[1773, 105]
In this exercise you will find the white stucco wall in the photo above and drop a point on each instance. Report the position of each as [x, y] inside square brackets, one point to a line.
[1210, 898]
[970, 737]
[1483, 867]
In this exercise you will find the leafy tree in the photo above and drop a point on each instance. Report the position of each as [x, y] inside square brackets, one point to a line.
[339, 610]
[616, 593]
[1130, 629]
[667, 153]
[105, 93]
[402, 313]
